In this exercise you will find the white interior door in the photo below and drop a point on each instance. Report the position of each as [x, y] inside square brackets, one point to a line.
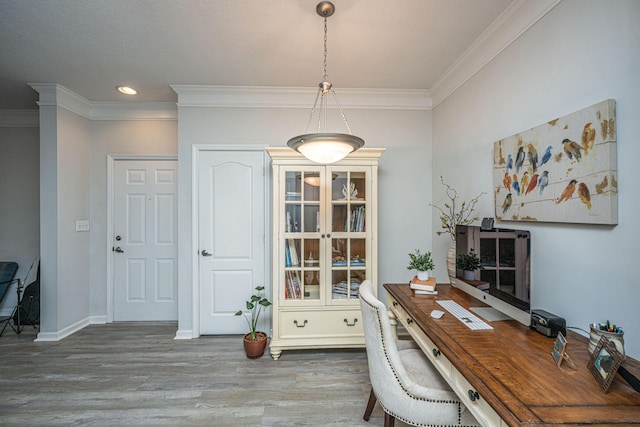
[144, 241]
[231, 226]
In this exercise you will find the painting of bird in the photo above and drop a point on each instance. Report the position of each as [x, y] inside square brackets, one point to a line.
[516, 184]
[519, 159]
[509, 163]
[532, 184]
[524, 181]
[543, 181]
[546, 156]
[567, 192]
[506, 181]
[532, 156]
[507, 203]
[588, 138]
[585, 196]
[572, 149]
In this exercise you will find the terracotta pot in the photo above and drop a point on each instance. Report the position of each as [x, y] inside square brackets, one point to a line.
[255, 348]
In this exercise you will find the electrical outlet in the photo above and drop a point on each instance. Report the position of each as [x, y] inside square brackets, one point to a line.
[82, 225]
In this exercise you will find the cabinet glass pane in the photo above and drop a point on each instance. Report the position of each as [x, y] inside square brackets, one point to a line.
[292, 254]
[346, 283]
[339, 217]
[356, 278]
[339, 252]
[348, 186]
[311, 186]
[292, 218]
[357, 186]
[357, 218]
[293, 188]
[311, 218]
[358, 253]
[339, 186]
[302, 269]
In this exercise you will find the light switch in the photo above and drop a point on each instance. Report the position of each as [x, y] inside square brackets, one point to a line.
[82, 225]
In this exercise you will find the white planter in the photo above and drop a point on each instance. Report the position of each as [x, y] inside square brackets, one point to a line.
[423, 275]
[468, 274]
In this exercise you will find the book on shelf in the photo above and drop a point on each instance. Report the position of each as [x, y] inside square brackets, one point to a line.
[421, 292]
[423, 285]
[291, 253]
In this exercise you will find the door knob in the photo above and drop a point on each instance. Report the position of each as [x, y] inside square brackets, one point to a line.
[205, 253]
[118, 238]
[118, 249]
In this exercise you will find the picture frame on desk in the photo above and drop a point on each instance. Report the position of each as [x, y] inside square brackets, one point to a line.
[604, 363]
[559, 352]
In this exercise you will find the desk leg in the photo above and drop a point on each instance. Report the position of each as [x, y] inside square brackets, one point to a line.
[394, 323]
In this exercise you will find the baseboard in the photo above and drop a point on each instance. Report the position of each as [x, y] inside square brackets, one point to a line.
[63, 333]
[98, 320]
[184, 334]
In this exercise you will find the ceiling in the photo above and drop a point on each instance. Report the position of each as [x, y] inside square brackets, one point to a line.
[91, 46]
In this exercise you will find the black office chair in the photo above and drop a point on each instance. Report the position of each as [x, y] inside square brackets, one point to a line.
[7, 272]
[21, 316]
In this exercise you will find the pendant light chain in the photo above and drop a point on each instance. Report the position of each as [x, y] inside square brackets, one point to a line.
[324, 74]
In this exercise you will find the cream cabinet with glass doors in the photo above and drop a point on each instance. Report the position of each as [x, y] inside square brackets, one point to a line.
[324, 246]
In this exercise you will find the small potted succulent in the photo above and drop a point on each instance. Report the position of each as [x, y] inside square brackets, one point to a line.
[468, 263]
[423, 263]
[255, 341]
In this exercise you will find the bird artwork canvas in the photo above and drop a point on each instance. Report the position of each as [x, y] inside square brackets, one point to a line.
[562, 171]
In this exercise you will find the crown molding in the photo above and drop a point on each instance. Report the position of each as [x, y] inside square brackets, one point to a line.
[299, 97]
[19, 119]
[53, 94]
[134, 111]
[511, 24]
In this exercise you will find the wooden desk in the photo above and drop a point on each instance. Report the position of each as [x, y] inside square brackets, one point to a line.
[511, 367]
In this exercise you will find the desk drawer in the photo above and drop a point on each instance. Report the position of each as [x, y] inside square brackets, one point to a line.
[432, 352]
[334, 323]
[479, 407]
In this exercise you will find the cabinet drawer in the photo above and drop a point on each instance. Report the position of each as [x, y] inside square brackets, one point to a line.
[335, 323]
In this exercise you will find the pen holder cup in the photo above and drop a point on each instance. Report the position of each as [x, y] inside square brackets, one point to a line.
[616, 338]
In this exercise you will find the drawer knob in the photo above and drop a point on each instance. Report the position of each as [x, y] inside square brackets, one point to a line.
[436, 352]
[395, 303]
[409, 320]
[473, 395]
[300, 326]
[355, 320]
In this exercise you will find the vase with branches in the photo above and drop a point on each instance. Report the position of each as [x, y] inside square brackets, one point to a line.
[455, 212]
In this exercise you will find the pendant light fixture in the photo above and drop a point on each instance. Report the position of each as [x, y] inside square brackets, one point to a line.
[323, 147]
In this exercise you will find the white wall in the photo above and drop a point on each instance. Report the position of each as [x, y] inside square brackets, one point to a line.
[404, 184]
[117, 138]
[20, 195]
[579, 54]
[65, 140]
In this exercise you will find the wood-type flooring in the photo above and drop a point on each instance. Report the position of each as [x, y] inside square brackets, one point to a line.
[126, 374]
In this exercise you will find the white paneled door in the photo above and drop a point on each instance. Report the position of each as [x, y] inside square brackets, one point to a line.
[144, 241]
[231, 241]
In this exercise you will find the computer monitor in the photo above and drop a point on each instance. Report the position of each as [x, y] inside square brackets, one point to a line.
[504, 278]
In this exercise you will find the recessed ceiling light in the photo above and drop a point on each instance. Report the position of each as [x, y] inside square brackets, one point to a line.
[127, 90]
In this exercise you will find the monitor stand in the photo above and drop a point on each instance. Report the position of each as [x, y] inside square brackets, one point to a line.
[490, 314]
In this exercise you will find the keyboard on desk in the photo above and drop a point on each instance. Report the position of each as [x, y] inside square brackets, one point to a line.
[473, 322]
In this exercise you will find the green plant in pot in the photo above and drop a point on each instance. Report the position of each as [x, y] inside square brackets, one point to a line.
[255, 341]
[468, 263]
[423, 263]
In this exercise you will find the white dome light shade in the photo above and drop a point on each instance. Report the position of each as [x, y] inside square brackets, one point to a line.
[325, 148]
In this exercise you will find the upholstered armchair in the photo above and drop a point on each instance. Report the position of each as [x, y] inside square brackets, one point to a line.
[404, 382]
